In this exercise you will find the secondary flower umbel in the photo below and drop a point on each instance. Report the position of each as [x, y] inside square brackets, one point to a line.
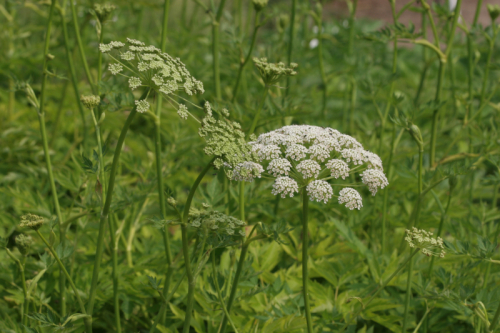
[147, 66]
[303, 156]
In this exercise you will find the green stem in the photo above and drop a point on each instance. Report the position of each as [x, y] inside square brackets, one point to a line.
[73, 72]
[25, 308]
[478, 11]
[185, 248]
[237, 275]
[386, 190]
[158, 149]
[64, 271]
[105, 211]
[247, 58]
[417, 214]
[353, 106]
[99, 60]
[163, 307]
[379, 289]
[351, 26]
[114, 254]
[426, 64]
[257, 114]
[215, 48]
[422, 320]
[291, 34]
[242, 201]
[305, 257]
[494, 321]
[80, 46]
[319, 23]
[440, 227]
[219, 294]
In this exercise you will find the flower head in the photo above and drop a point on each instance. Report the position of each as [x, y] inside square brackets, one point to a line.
[285, 186]
[319, 190]
[90, 101]
[23, 243]
[309, 169]
[31, 221]
[374, 179]
[247, 171]
[423, 240]
[272, 73]
[351, 198]
[338, 168]
[183, 112]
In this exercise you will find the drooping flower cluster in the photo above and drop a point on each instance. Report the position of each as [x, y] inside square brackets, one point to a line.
[31, 221]
[217, 225]
[225, 140]
[149, 67]
[424, 241]
[302, 156]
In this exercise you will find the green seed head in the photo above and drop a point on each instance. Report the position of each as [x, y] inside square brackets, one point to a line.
[23, 243]
[90, 101]
[31, 221]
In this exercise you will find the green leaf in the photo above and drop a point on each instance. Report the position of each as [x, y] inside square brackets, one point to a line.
[35, 280]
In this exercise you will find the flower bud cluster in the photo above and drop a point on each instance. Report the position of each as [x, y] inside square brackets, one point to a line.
[272, 73]
[31, 221]
[90, 101]
[216, 222]
[23, 243]
[423, 240]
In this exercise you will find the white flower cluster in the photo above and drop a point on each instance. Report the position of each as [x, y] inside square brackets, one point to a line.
[309, 155]
[183, 112]
[142, 106]
[424, 241]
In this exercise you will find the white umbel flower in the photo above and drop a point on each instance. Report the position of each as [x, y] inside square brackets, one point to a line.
[319, 190]
[319, 152]
[353, 155]
[351, 198]
[338, 168]
[374, 179]
[285, 186]
[134, 82]
[183, 112]
[279, 167]
[309, 169]
[296, 152]
[142, 106]
[269, 152]
[247, 171]
[115, 68]
[373, 160]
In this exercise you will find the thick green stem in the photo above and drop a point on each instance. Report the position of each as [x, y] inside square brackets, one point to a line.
[114, 254]
[478, 11]
[99, 60]
[352, 17]
[185, 248]
[106, 208]
[241, 202]
[417, 214]
[247, 58]
[215, 49]
[291, 34]
[259, 110]
[80, 46]
[305, 258]
[41, 118]
[219, 294]
[379, 289]
[239, 269]
[72, 71]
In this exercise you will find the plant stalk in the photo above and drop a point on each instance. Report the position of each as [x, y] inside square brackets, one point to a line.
[185, 248]
[106, 208]
[257, 114]
[215, 49]
[305, 257]
[291, 34]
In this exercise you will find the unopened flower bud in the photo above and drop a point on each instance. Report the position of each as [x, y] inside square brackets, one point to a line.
[417, 136]
[103, 11]
[50, 57]
[172, 202]
[493, 11]
[259, 4]
[31, 96]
